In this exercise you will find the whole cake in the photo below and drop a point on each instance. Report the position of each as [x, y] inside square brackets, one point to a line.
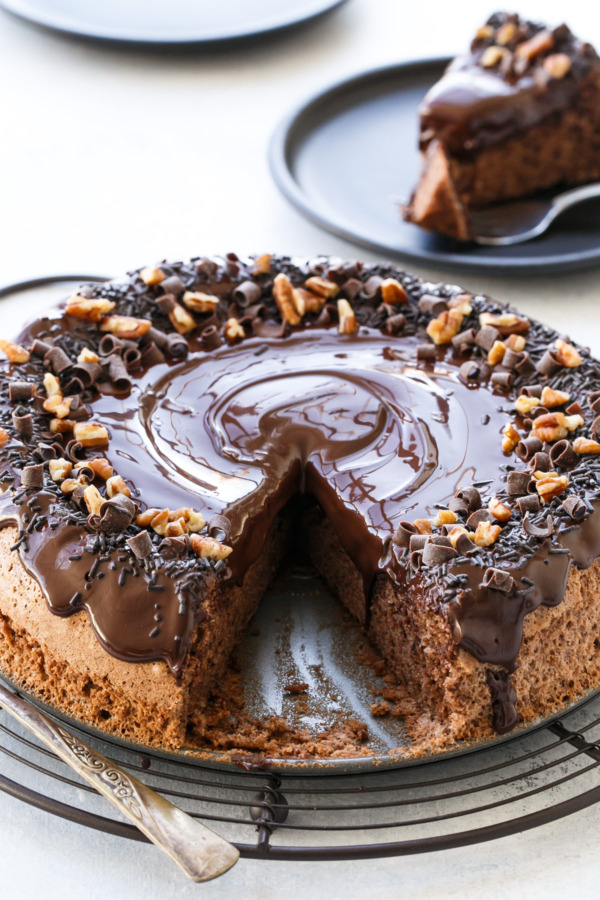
[519, 113]
[164, 440]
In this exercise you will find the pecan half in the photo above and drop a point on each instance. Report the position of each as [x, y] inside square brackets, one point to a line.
[283, 293]
[90, 309]
[152, 275]
[348, 323]
[200, 302]
[125, 326]
[584, 445]
[14, 352]
[322, 287]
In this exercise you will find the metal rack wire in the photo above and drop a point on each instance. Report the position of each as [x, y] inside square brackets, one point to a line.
[438, 805]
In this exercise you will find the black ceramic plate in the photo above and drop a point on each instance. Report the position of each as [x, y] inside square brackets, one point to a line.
[349, 155]
[175, 22]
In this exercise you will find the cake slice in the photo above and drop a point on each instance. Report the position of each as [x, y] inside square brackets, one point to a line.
[518, 114]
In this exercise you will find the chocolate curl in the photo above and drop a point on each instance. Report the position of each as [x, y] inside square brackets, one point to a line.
[73, 386]
[538, 411]
[351, 288]
[109, 344]
[40, 348]
[372, 287]
[538, 531]
[548, 364]
[502, 380]
[352, 269]
[246, 293]
[532, 390]
[471, 496]
[132, 358]
[426, 353]
[562, 455]
[256, 311]
[176, 345]
[436, 553]
[207, 267]
[482, 515]
[232, 266]
[73, 451]
[416, 558]
[511, 358]
[527, 448]
[540, 462]
[156, 336]
[83, 471]
[141, 544]
[464, 544]
[594, 402]
[46, 452]
[210, 338]
[464, 340]
[526, 367]
[32, 477]
[529, 504]
[173, 285]
[117, 373]
[595, 427]
[268, 329]
[23, 422]
[486, 337]
[460, 507]
[173, 548]
[116, 515]
[219, 528]
[151, 356]
[403, 534]
[57, 360]
[77, 498]
[166, 303]
[498, 580]
[472, 370]
[395, 324]
[575, 508]
[20, 391]
[575, 409]
[88, 373]
[417, 541]
[431, 305]
[517, 483]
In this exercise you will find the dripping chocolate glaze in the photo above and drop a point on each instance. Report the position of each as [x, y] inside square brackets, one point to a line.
[354, 420]
[472, 106]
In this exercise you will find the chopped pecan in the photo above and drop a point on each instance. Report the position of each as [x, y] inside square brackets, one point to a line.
[283, 293]
[506, 323]
[152, 275]
[14, 352]
[125, 327]
[486, 534]
[307, 302]
[584, 445]
[444, 517]
[551, 398]
[539, 43]
[322, 287]
[557, 65]
[181, 320]
[90, 309]
[442, 329]
[506, 34]
[566, 354]
[59, 469]
[516, 342]
[262, 264]
[209, 548]
[233, 330]
[90, 434]
[492, 56]
[61, 426]
[348, 323]
[524, 404]
[69, 485]
[93, 499]
[200, 302]
[194, 521]
[52, 385]
[175, 528]
[4, 437]
[392, 292]
[499, 510]
[86, 355]
[100, 467]
[484, 33]
[462, 303]
[160, 521]
[496, 353]
[58, 405]
[423, 526]
[145, 518]
[116, 485]
[550, 485]
[510, 438]
[550, 427]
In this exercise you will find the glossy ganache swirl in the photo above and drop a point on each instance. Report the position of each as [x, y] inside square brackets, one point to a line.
[516, 74]
[379, 396]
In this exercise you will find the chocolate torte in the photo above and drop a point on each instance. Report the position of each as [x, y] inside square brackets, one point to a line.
[164, 438]
[518, 114]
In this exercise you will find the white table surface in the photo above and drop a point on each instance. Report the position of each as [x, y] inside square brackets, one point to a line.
[111, 158]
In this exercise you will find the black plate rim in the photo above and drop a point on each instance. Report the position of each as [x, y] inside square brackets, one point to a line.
[280, 155]
[19, 9]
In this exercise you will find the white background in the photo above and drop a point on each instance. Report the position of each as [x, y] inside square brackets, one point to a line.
[112, 158]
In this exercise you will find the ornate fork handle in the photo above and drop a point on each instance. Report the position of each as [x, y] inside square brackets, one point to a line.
[200, 852]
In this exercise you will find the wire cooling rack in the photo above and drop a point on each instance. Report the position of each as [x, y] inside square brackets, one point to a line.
[476, 797]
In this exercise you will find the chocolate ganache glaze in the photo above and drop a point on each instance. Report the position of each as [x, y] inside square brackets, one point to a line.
[504, 85]
[389, 400]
